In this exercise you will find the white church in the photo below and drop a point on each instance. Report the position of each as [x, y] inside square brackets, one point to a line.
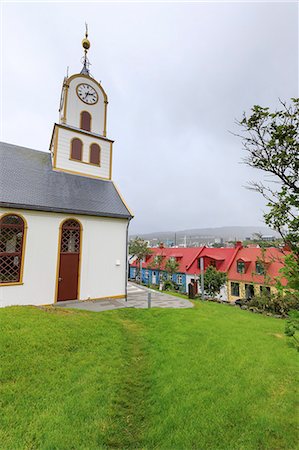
[63, 223]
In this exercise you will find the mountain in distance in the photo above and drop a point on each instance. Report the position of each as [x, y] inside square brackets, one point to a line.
[201, 235]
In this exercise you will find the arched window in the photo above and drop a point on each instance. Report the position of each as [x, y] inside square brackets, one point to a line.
[95, 154]
[85, 121]
[76, 149]
[12, 233]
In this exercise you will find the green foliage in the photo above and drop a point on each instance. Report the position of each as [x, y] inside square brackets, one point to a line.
[271, 140]
[139, 248]
[213, 281]
[292, 327]
[290, 271]
[170, 285]
[171, 266]
[278, 303]
[156, 263]
[146, 379]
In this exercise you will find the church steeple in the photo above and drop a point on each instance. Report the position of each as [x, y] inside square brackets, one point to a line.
[79, 143]
[86, 46]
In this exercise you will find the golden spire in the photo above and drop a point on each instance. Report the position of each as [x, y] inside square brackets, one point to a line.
[86, 46]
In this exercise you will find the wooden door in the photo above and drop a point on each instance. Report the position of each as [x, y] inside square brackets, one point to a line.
[69, 261]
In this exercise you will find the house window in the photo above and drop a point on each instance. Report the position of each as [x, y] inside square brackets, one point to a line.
[94, 156]
[161, 276]
[212, 263]
[76, 149]
[259, 268]
[249, 291]
[235, 289]
[240, 267]
[179, 279]
[85, 121]
[12, 231]
[146, 274]
[265, 290]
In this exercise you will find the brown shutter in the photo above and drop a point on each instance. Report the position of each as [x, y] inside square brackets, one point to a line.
[95, 152]
[76, 149]
[85, 121]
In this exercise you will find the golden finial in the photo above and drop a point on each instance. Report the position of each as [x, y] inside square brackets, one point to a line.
[85, 42]
[86, 46]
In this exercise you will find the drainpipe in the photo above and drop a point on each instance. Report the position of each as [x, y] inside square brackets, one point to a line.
[127, 262]
[202, 268]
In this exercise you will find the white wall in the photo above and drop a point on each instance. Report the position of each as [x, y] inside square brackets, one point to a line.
[103, 245]
[75, 105]
[223, 291]
[63, 154]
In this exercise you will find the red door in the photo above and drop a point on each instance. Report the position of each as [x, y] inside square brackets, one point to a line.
[69, 261]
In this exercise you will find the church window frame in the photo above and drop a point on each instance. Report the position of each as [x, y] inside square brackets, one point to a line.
[82, 113]
[72, 149]
[12, 259]
[98, 164]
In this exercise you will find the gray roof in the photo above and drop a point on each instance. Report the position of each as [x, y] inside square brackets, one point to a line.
[27, 181]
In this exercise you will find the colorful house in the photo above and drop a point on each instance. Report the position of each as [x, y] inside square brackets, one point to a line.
[249, 270]
[153, 268]
[253, 271]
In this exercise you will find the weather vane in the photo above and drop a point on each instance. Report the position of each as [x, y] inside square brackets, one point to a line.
[86, 46]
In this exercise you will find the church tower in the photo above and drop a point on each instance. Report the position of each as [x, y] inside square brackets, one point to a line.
[79, 144]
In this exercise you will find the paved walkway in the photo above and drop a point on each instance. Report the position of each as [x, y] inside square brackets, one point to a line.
[137, 298]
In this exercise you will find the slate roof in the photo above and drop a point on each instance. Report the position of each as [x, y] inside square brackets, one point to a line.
[27, 181]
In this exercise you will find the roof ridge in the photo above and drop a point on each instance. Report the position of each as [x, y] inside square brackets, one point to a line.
[25, 148]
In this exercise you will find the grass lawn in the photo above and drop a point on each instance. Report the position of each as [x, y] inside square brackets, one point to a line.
[212, 377]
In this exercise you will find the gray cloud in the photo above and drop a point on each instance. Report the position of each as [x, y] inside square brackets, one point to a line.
[177, 76]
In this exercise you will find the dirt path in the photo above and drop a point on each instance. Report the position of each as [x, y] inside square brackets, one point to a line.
[127, 420]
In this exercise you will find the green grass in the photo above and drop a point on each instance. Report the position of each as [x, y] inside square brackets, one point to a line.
[212, 377]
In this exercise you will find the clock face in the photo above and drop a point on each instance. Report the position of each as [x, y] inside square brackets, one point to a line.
[87, 94]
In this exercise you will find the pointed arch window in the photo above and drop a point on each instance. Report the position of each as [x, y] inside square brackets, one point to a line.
[76, 149]
[95, 154]
[85, 121]
[12, 242]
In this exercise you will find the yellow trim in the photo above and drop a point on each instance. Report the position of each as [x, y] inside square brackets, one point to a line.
[80, 173]
[14, 283]
[86, 133]
[74, 159]
[94, 164]
[105, 117]
[55, 147]
[81, 120]
[123, 199]
[85, 162]
[58, 257]
[90, 104]
[79, 75]
[110, 168]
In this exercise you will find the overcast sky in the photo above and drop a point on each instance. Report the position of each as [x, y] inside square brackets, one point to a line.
[177, 76]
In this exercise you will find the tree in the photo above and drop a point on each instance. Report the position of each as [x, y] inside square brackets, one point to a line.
[213, 281]
[171, 266]
[271, 140]
[139, 248]
[156, 263]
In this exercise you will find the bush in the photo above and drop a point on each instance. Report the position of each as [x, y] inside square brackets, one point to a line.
[275, 304]
[170, 286]
[292, 327]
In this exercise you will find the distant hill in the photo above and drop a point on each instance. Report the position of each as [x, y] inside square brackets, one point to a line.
[202, 235]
